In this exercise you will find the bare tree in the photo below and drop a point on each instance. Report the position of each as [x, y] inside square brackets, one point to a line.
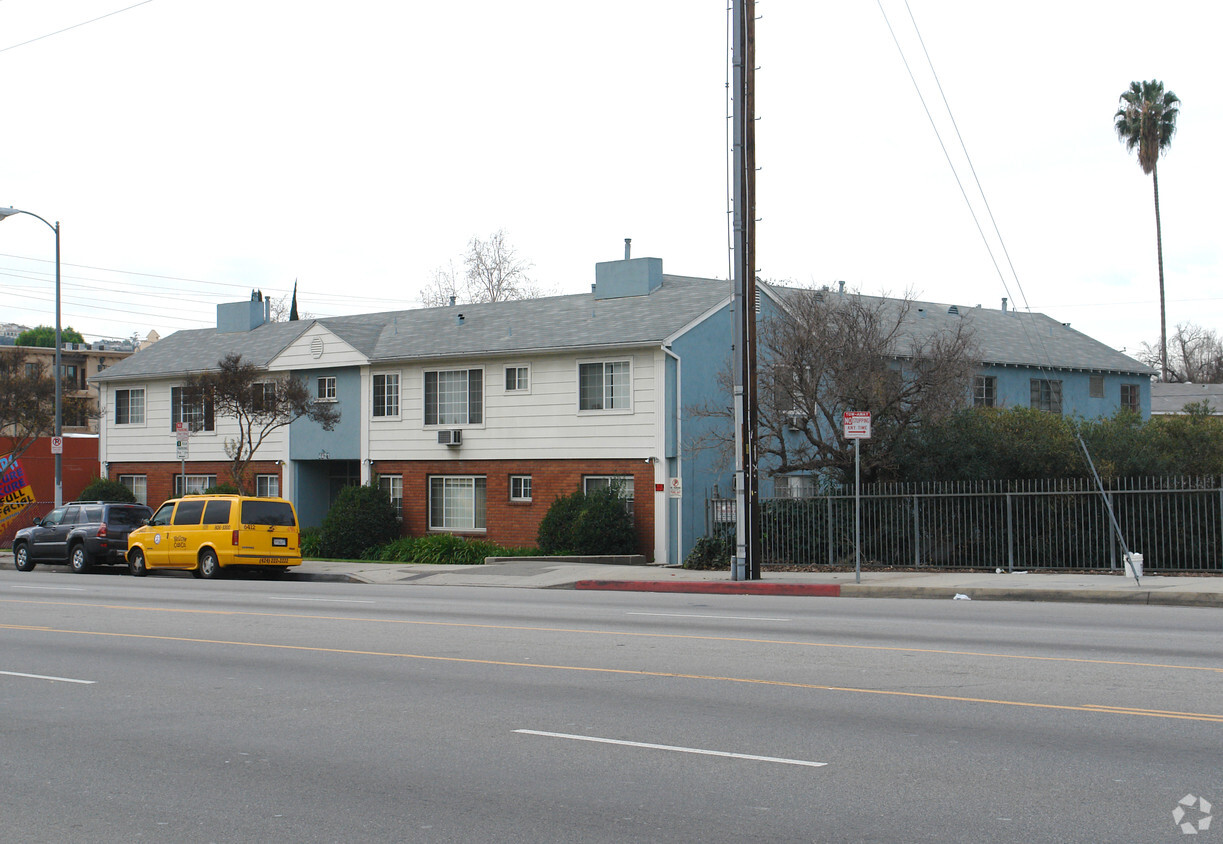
[27, 402]
[492, 272]
[259, 402]
[282, 309]
[1195, 355]
[829, 353]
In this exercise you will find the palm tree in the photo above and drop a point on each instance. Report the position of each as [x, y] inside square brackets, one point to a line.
[1146, 119]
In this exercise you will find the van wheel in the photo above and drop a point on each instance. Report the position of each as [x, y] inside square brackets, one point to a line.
[79, 559]
[209, 566]
[21, 558]
[135, 563]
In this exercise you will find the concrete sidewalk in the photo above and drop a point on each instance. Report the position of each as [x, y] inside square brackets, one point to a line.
[978, 586]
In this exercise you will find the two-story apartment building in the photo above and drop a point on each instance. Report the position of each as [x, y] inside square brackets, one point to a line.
[475, 418]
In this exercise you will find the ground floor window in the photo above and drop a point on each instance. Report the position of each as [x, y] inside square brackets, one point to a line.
[392, 485]
[138, 484]
[457, 502]
[623, 484]
[192, 484]
[1129, 397]
[267, 486]
[520, 487]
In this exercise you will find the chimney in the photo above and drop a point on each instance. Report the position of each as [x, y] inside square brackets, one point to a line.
[841, 284]
[452, 300]
[1004, 304]
[628, 247]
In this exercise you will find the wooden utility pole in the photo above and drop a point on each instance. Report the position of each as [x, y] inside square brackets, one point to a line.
[747, 487]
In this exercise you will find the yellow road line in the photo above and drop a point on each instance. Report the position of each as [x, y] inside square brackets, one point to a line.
[1091, 708]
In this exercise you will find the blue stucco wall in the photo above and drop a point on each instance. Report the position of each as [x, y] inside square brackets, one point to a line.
[307, 438]
[1015, 390]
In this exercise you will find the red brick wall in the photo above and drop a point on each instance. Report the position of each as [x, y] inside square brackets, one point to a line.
[514, 523]
[160, 476]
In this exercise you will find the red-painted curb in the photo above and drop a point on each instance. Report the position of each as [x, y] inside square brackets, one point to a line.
[822, 590]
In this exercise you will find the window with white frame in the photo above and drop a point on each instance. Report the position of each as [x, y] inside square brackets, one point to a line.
[520, 487]
[454, 397]
[392, 485]
[192, 484]
[326, 388]
[457, 502]
[263, 396]
[604, 385]
[622, 484]
[985, 391]
[386, 394]
[267, 486]
[129, 407]
[517, 379]
[197, 414]
[138, 484]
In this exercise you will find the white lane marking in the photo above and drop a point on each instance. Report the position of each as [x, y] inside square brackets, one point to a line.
[696, 750]
[43, 677]
[323, 600]
[54, 588]
[723, 617]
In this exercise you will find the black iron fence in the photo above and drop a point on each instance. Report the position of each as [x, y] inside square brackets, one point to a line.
[1175, 523]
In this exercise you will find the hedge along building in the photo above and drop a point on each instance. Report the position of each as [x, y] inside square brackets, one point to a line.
[475, 418]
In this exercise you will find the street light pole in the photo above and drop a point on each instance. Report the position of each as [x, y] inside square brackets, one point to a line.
[59, 422]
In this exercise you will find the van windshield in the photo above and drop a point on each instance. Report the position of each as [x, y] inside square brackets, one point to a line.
[267, 513]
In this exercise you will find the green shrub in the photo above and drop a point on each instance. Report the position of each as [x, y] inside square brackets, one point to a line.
[361, 518]
[441, 549]
[594, 523]
[712, 553]
[104, 490]
[311, 545]
[222, 489]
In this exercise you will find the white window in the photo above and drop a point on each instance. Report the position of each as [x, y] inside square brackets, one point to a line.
[518, 379]
[454, 397]
[457, 503]
[267, 486]
[263, 396]
[198, 415]
[985, 391]
[520, 487]
[192, 484]
[393, 486]
[386, 395]
[326, 388]
[622, 484]
[138, 484]
[604, 385]
[129, 407]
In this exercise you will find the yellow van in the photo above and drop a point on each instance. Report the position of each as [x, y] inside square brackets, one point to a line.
[206, 533]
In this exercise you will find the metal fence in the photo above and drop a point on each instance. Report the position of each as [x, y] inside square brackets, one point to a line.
[1175, 523]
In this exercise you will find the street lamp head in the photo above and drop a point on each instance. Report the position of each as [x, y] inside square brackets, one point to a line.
[8, 212]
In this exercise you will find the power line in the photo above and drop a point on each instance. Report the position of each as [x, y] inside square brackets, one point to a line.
[74, 26]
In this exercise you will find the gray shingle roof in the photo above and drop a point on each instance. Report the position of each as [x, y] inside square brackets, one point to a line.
[1013, 338]
[1172, 398]
[553, 323]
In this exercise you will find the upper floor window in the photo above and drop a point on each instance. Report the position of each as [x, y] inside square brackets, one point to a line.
[517, 379]
[1046, 395]
[386, 394]
[985, 391]
[326, 388]
[1129, 397]
[129, 407]
[454, 397]
[263, 396]
[198, 414]
[604, 385]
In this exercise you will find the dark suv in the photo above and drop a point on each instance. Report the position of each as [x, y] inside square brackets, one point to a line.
[79, 534]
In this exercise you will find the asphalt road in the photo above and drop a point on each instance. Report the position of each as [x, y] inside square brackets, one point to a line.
[171, 709]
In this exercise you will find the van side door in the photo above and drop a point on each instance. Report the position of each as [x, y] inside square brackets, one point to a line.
[185, 533]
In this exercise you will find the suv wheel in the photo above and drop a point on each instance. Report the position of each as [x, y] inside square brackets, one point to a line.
[209, 566]
[135, 563]
[79, 559]
[21, 557]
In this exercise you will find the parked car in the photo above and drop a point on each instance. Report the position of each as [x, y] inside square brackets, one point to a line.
[205, 534]
[79, 534]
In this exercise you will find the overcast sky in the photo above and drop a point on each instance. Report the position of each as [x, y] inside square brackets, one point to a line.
[196, 150]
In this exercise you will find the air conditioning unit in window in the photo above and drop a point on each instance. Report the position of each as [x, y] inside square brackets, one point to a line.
[454, 437]
[795, 420]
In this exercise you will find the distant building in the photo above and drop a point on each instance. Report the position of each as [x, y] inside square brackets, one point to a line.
[1170, 399]
[79, 361]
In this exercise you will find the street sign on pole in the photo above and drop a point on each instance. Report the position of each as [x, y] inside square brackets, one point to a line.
[857, 427]
[57, 445]
[857, 424]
